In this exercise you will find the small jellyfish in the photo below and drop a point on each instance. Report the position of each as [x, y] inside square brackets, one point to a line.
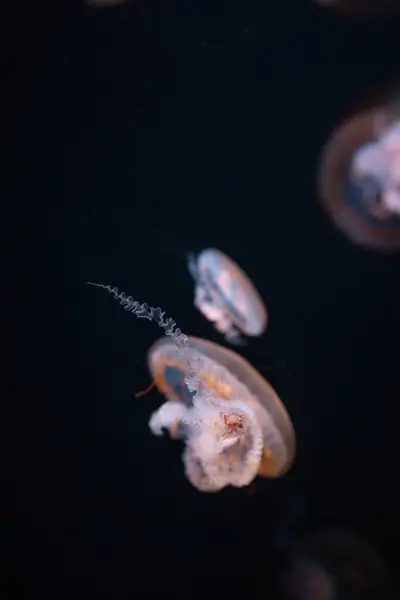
[233, 423]
[226, 296]
[359, 178]
[228, 376]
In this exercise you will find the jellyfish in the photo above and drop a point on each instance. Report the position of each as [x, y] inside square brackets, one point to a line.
[229, 376]
[359, 178]
[232, 429]
[226, 296]
[336, 564]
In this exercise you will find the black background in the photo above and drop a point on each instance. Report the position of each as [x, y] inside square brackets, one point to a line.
[144, 132]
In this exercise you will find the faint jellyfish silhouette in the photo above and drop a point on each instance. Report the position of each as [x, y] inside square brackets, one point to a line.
[361, 8]
[228, 376]
[359, 178]
[224, 436]
[226, 296]
[330, 565]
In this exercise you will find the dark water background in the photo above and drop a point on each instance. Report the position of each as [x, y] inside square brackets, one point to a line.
[144, 133]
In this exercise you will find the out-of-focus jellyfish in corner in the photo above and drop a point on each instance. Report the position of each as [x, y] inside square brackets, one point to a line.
[226, 296]
[361, 8]
[228, 376]
[330, 565]
[234, 425]
[359, 178]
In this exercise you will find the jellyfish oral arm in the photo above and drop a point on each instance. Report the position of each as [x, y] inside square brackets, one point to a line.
[391, 145]
[245, 476]
[211, 437]
[196, 474]
[391, 200]
[217, 315]
[215, 443]
[376, 167]
[233, 337]
[228, 443]
[167, 417]
[223, 324]
[206, 305]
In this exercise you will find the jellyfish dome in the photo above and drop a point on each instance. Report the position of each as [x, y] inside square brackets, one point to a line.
[254, 409]
[226, 296]
[359, 178]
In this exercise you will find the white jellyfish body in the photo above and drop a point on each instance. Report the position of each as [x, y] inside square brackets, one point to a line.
[376, 166]
[224, 435]
[244, 432]
[223, 446]
[226, 296]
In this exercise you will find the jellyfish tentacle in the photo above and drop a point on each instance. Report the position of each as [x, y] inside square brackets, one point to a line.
[169, 325]
[143, 311]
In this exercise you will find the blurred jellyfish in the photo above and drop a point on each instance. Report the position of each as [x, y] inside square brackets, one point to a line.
[359, 178]
[233, 423]
[376, 168]
[228, 376]
[226, 296]
[331, 565]
[361, 8]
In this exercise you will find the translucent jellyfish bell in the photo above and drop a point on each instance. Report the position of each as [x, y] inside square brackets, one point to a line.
[227, 375]
[359, 178]
[226, 296]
